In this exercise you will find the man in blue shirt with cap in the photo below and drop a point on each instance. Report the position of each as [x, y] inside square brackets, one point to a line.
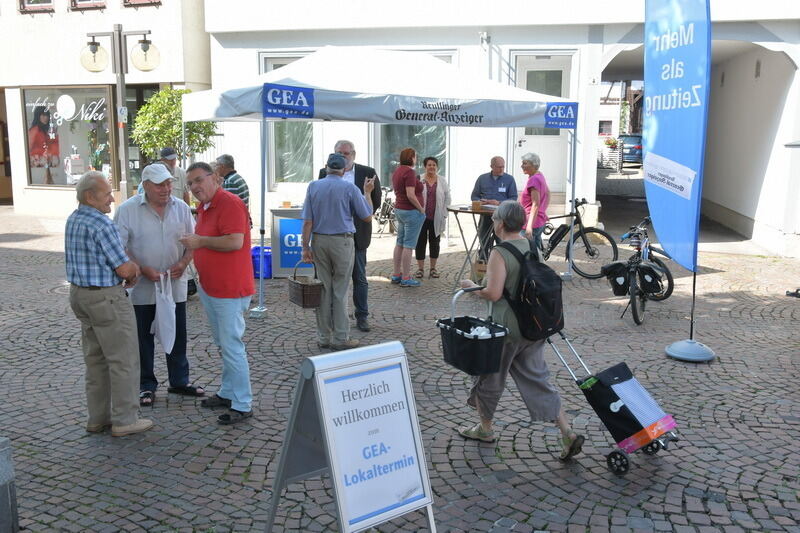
[330, 206]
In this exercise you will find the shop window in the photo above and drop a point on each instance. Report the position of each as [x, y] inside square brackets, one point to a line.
[36, 6]
[77, 5]
[68, 133]
[291, 142]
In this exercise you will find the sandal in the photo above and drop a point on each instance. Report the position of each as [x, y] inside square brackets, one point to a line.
[572, 446]
[233, 416]
[477, 432]
[187, 390]
[215, 401]
[420, 274]
[433, 273]
[147, 398]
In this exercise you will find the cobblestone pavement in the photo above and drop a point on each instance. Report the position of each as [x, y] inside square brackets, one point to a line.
[735, 469]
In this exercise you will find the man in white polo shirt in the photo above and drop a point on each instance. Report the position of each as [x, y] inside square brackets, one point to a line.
[150, 226]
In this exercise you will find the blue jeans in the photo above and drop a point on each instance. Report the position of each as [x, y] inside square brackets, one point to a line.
[409, 222]
[226, 318]
[360, 285]
[177, 363]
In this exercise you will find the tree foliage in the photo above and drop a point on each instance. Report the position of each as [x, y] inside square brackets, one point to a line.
[158, 124]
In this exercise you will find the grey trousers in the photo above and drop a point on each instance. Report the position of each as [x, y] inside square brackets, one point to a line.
[110, 352]
[334, 256]
[525, 362]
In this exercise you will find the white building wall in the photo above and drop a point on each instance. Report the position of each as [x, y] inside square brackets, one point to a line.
[748, 183]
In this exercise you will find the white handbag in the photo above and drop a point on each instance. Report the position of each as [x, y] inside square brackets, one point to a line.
[163, 326]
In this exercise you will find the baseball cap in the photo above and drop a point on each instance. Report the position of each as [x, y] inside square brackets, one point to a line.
[336, 162]
[168, 153]
[157, 173]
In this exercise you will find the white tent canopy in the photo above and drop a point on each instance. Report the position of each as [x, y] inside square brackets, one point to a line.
[317, 88]
[389, 94]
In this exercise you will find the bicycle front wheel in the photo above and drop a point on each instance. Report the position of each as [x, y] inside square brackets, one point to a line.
[669, 284]
[638, 299]
[590, 250]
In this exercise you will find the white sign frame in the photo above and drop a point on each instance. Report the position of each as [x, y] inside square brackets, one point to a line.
[313, 446]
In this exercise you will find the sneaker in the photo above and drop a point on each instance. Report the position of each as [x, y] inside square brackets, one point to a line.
[346, 345]
[395, 279]
[410, 282]
[215, 401]
[477, 432]
[97, 428]
[140, 425]
[362, 324]
[572, 446]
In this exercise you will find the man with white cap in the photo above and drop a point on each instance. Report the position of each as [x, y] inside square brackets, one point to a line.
[150, 226]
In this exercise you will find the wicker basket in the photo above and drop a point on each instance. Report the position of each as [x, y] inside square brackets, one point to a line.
[305, 291]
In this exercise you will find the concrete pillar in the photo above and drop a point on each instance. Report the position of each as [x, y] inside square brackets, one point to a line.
[9, 520]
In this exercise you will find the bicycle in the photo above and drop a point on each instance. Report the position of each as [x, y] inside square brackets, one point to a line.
[638, 274]
[385, 214]
[590, 249]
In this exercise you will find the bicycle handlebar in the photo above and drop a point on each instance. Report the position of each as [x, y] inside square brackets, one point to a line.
[580, 202]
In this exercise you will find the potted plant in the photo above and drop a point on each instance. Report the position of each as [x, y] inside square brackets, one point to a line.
[612, 142]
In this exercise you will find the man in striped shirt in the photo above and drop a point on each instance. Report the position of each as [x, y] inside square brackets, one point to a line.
[99, 270]
[231, 180]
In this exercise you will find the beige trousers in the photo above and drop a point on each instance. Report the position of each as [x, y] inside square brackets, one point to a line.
[334, 256]
[525, 362]
[110, 352]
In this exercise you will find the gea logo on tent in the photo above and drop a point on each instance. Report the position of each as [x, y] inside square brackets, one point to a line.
[285, 101]
[558, 115]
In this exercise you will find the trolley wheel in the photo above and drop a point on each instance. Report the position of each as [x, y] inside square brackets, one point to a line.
[618, 462]
[652, 448]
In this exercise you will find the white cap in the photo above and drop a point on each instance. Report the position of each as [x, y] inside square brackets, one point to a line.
[157, 173]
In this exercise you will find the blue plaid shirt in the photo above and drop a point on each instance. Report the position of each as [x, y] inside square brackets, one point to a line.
[93, 249]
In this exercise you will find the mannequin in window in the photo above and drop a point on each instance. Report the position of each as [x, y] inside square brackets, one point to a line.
[43, 149]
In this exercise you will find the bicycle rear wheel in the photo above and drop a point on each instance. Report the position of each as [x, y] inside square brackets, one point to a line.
[590, 250]
[669, 285]
[638, 299]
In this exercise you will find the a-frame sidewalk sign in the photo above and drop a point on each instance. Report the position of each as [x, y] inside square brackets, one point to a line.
[354, 418]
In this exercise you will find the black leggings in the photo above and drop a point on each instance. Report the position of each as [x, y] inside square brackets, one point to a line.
[427, 233]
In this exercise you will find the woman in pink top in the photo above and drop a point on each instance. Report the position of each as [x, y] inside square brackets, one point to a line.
[535, 198]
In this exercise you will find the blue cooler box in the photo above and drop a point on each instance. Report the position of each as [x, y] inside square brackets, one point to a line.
[266, 270]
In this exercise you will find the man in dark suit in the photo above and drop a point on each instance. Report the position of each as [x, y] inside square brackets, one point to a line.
[356, 174]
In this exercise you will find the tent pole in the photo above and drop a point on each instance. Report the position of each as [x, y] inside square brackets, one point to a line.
[568, 274]
[261, 311]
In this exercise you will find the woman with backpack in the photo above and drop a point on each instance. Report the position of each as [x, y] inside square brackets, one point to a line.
[522, 358]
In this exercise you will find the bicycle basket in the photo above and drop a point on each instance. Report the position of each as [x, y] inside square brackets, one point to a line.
[617, 276]
[649, 278]
[470, 353]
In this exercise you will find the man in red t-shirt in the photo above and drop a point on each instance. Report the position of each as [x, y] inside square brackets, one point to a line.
[221, 245]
